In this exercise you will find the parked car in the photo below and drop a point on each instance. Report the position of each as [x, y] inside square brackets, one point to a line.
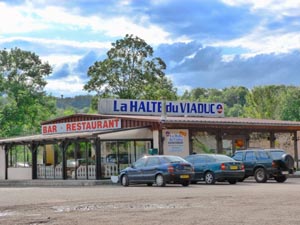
[265, 164]
[113, 158]
[159, 170]
[215, 167]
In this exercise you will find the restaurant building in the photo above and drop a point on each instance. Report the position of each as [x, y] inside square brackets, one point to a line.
[98, 146]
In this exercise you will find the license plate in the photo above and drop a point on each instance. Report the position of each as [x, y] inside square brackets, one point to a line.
[184, 176]
[285, 172]
[233, 167]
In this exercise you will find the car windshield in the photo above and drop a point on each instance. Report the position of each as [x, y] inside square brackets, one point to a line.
[276, 154]
[172, 159]
[223, 158]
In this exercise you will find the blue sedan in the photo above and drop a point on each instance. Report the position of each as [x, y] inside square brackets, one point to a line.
[159, 170]
[216, 167]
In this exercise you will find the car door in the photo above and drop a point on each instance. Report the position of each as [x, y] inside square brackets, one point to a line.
[264, 159]
[200, 166]
[150, 169]
[135, 173]
[249, 162]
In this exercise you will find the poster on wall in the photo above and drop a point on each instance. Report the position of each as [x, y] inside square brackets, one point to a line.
[176, 142]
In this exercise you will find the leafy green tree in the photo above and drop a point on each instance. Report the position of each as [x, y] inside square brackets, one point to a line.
[234, 111]
[234, 99]
[21, 84]
[203, 95]
[290, 107]
[131, 72]
[264, 102]
[195, 94]
[234, 96]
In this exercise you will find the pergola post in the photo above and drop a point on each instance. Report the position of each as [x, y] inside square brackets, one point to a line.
[296, 157]
[272, 139]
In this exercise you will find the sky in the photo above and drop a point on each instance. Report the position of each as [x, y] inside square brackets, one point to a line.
[204, 43]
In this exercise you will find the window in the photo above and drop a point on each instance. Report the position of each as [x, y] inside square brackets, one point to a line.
[250, 156]
[238, 156]
[140, 163]
[263, 155]
[276, 154]
[153, 161]
[210, 159]
[201, 159]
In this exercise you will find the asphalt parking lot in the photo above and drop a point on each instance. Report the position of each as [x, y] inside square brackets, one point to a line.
[244, 203]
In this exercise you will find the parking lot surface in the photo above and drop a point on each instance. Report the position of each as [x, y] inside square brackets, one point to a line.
[244, 203]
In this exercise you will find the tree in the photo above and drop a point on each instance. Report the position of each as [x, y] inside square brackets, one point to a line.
[131, 72]
[234, 99]
[235, 96]
[21, 84]
[290, 107]
[264, 102]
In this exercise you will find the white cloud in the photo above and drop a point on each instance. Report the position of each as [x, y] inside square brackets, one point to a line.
[75, 44]
[277, 7]
[68, 86]
[18, 20]
[26, 18]
[263, 41]
[59, 59]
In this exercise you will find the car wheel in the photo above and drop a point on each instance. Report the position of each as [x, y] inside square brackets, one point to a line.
[160, 180]
[260, 175]
[288, 161]
[185, 183]
[232, 181]
[125, 181]
[209, 178]
[280, 179]
[149, 184]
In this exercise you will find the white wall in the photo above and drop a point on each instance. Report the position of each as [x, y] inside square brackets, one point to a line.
[2, 163]
[19, 173]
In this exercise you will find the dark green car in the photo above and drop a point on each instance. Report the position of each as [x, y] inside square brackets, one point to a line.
[266, 164]
[215, 167]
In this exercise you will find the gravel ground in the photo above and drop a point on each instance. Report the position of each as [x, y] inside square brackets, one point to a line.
[244, 203]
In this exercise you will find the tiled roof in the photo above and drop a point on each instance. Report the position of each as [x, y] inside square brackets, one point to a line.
[210, 120]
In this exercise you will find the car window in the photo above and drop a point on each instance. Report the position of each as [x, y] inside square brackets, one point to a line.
[169, 159]
[223, 158]
[250, 156]
[152, 161]
[263, 155]
[190, 158]
[238, 156]
[200, 159]
[140, 163]
[276, 154]
[210, 159]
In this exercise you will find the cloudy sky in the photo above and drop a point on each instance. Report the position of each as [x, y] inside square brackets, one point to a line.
[205, 43]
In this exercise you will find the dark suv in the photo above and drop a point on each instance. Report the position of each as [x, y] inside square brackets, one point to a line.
[264, 164]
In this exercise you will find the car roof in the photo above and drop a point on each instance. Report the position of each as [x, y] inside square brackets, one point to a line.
[250, 149]
[260, 149]
[206, 154]
[161, 156]
[274, 149]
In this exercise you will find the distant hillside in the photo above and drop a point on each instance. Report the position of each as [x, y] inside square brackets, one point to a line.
[78, 102]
